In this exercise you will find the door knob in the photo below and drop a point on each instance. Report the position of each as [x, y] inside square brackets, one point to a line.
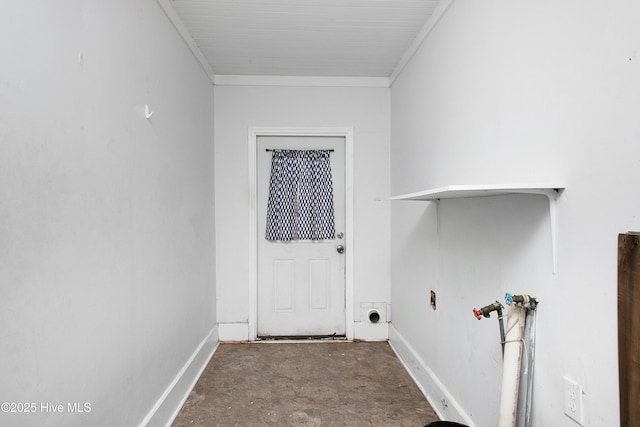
[340, 249]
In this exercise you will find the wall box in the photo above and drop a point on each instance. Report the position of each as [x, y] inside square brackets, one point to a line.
[552, 192]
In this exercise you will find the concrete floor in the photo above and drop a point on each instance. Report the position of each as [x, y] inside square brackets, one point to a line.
[305, 384]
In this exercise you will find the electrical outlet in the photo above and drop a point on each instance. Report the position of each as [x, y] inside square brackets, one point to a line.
[573, 407]
[444, 403]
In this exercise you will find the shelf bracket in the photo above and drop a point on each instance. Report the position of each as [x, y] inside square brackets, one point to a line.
[552, 195]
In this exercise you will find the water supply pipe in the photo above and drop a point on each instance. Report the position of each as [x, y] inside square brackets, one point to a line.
[527, 301]
[513, 341]
[519, 306]
[486, 312]
[526, 401]
[531, 358]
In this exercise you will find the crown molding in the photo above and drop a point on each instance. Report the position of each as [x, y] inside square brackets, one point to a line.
[182, 30]
[426, 29]
[305, 81]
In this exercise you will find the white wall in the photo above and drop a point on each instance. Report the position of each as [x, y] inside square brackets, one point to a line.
[518, 92]
[239, 107]
[106, 219]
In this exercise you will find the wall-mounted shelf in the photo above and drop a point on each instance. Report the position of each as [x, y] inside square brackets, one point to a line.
[466, 191]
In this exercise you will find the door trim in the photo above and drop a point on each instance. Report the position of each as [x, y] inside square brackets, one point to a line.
[254, 133]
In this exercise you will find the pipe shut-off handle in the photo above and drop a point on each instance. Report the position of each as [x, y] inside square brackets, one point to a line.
[486, 310]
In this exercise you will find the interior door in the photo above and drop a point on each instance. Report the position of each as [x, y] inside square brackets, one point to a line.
[301, 284]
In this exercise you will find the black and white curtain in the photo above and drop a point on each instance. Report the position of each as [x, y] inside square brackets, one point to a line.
[300, 205]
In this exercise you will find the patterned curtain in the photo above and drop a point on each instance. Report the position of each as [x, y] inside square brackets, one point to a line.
[300, 205]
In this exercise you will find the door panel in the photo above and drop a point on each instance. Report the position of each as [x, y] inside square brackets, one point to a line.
[283, 279]
[301, 284]
[319, 284]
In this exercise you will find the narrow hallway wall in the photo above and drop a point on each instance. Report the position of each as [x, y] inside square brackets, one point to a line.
[512, 93]
[106, 218]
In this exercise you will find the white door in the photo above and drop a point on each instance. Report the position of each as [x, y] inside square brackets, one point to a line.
[301, 284]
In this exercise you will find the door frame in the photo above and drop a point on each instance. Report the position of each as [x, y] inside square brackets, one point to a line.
[254, 134]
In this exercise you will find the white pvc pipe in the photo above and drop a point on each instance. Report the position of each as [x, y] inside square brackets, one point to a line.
[511, 366]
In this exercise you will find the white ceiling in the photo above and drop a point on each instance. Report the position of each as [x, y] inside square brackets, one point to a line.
[326, 38]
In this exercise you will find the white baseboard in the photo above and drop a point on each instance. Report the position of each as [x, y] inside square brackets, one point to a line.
[168, 406]
[440, 399]
[371, 331]
[233, 331]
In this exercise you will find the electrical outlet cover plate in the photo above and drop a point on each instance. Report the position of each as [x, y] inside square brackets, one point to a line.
[573, 400]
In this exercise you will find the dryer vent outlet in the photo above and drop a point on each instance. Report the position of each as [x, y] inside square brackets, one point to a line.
[373, 312]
